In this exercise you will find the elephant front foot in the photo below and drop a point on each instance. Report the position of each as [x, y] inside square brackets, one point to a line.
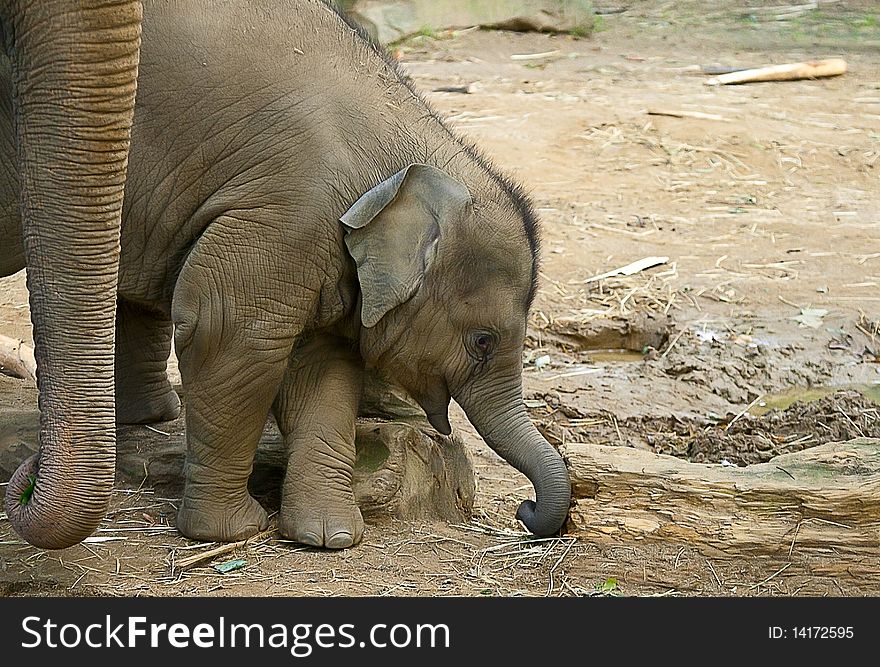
[159, 407]
[335, 524]
[221, 519]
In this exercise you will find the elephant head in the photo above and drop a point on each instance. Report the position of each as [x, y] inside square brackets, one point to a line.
[74, 70]
[446, 284]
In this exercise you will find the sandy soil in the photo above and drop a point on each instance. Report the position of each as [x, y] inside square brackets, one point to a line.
[769, 217]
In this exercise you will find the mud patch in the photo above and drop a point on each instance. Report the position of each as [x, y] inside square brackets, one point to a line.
[740, 439]
[739, 369]
[638, 332]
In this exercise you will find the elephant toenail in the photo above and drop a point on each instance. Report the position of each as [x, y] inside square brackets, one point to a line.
[341, 540]
[311, 539]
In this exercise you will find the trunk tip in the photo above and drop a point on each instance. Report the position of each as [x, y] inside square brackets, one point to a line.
[538, 525]
[35, 517]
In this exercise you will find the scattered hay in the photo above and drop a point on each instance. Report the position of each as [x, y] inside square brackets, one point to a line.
[651, 295]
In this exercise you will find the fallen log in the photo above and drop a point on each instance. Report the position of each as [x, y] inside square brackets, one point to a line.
[812, 69]
[17, 359]
[825, 498]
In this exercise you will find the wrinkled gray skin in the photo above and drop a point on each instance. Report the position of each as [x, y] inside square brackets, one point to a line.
[69, 79]
[297, 212]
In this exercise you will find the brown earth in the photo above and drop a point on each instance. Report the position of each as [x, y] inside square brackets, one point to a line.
[770, 209]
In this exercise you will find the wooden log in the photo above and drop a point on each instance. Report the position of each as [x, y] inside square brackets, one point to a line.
[17, 359]
[825, 498]
[812, 69]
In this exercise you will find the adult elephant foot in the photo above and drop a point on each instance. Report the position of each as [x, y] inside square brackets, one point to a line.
[327, 523]
[221, 520]
[143, 343]
[149, 408]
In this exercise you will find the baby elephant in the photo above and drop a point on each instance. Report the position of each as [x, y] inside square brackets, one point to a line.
[294, 212]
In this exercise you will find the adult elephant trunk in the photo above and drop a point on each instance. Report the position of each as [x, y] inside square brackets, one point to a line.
[499, 415]
[74, 66]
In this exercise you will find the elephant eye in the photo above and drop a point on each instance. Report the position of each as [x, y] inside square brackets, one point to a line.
[481, 344]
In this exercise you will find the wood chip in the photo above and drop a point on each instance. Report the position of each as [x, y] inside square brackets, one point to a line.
[534, 56]
[687, 114]
[630, 269]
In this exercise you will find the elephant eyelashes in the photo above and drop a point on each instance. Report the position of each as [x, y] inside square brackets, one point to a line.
[481, 344]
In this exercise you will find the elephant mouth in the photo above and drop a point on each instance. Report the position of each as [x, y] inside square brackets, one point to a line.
[440, 422]
[435, 402]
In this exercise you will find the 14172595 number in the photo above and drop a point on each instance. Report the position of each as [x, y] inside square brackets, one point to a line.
[821, 632]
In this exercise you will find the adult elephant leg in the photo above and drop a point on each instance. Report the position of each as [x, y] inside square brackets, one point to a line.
[12, 247]
[143, 343]
[12, 244]
[233, 337]
[74, 70]
[316, 411]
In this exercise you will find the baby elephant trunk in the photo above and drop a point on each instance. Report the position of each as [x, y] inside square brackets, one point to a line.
[502, 421]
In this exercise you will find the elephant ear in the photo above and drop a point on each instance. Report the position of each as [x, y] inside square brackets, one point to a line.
[392, 234]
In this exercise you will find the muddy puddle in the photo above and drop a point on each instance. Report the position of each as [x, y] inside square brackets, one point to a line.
[787, 398]
[615, 356]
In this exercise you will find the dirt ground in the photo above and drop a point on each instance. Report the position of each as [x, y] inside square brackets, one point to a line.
[767, 212]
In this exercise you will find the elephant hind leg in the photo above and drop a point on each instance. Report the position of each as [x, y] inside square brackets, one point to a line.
[316, 411]
[143, 343]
